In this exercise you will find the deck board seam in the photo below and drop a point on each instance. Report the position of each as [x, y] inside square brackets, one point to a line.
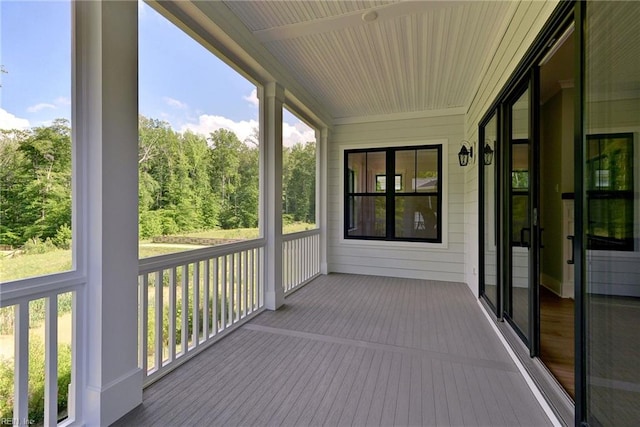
[410, 351]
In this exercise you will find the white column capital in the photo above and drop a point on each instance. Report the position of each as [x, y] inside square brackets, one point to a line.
[274, 90]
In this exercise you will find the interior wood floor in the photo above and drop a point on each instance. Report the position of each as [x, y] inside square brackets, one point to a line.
[557, 337]
[350, 350]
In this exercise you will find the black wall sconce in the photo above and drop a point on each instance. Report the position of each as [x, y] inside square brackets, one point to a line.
[488, 153]
[465, 153]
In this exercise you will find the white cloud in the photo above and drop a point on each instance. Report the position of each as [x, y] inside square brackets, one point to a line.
[62, 101]
[175, 103]
[9, 121]
[39, 107]
[253, 98]
[299, 132]
[209, 123]
[291, 134]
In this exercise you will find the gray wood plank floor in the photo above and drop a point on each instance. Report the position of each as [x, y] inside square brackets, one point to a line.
[351, 350]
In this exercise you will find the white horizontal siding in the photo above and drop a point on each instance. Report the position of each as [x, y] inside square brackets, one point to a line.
[392, 259]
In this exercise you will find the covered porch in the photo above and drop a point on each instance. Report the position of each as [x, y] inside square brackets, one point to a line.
[352, 350]
[285, 329]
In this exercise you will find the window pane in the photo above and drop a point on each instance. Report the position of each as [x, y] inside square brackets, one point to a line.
[199, 149]
[369, 216]
[610, 224]
[610, 162]
[427, 180]
[356, 164]
[376, 166]
[35, 139]
[298, 175]
[520, 215]
[406, 169]
[520, 117]
[610, 184]
[416, 217]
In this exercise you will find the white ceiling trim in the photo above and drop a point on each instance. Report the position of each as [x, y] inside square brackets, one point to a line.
[351, 20]
[401, 116]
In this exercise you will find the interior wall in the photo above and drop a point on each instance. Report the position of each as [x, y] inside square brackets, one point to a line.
[399, 259]
[568, 183]
[552, 167]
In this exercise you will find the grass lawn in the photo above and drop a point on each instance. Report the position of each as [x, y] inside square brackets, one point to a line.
[20, 266]
[248, 233]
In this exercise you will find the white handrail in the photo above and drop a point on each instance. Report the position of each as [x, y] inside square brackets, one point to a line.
[300, 234]
[151, 264]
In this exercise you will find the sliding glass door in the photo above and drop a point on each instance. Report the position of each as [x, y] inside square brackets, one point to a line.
[519, 289]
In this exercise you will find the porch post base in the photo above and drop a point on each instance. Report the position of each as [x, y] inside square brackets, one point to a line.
[107, 404]
[273, 300]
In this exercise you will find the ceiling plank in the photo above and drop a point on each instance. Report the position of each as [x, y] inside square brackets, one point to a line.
[351, 19]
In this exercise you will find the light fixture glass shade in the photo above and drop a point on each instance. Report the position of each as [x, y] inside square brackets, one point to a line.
[488, 154]
[463, 156]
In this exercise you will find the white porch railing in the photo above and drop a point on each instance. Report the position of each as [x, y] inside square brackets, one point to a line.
[33, 314]
[300, 258]
[224, 282]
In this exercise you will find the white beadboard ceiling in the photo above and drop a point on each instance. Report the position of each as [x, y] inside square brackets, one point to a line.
[417, 56]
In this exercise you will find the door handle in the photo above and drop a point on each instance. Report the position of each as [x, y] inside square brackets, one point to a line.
[571, 261]
[522, 241]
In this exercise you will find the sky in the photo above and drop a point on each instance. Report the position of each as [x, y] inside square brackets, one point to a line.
[180, 81]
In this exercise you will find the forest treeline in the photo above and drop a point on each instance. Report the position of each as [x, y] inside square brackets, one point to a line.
[187, 182]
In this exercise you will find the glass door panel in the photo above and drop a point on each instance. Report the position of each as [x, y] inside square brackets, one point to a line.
[518, 309]
[489, 134]
[611, 232]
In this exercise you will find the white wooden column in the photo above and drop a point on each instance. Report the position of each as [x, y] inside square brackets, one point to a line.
[272, 99]
[321, 196]
[105, 122]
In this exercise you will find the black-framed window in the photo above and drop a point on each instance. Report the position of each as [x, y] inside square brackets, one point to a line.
[409, 210]
[610, 192]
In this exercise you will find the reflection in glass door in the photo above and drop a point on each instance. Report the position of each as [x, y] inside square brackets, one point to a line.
[611, 211]
[519, 285]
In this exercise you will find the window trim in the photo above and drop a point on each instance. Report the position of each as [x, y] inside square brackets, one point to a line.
[441, 241]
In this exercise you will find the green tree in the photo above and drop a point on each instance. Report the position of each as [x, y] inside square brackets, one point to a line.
[299, 182]
[35, 198]
[226, 151]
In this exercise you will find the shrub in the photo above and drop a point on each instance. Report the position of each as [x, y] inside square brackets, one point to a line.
[178, 335]
[63, 236]
[37, 246]
[36, 381]
[8, 237]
